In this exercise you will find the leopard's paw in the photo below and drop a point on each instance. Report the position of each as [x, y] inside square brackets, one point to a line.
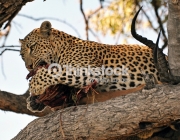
[33, 105]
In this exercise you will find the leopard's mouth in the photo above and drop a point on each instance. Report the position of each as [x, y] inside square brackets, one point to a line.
[34, 70]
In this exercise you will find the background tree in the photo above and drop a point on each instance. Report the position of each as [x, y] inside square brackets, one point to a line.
[111, 17]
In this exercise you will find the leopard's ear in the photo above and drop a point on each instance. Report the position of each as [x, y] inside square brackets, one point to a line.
[45, 29]
[21, 41]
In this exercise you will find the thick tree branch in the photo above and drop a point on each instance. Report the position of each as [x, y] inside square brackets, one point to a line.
[113, 118]
[9, 9]
[17, 103]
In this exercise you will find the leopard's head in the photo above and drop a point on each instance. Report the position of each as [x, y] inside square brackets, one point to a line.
[36, 47]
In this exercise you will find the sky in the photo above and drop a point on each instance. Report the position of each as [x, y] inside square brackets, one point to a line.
[12, 69]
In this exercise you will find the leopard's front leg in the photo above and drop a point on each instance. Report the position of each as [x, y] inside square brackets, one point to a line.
[41, 81]
[45, 78]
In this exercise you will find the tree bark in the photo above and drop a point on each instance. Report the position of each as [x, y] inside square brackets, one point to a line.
[17, 103]
[113, 118]
[9, 9]
[174, 36]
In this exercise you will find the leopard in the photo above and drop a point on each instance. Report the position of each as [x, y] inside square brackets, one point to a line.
[45, 49]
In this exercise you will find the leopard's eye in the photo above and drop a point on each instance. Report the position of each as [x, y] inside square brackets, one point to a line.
[32, 48]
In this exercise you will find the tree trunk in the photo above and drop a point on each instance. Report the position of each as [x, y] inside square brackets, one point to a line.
[114, 118]
[174, 36]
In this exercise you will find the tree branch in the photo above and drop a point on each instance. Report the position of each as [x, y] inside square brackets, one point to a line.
[148, 18]
[9, 50]
[17, 103]
[160, 24]
[56, 19]
[98, 39]
[85, 19]
[117, 117]
[10, 46]
[96, 10]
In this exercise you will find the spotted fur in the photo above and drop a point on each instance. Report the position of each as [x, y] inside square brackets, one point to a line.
[46, 44]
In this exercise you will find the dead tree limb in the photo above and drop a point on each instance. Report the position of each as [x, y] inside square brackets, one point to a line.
[109, 119]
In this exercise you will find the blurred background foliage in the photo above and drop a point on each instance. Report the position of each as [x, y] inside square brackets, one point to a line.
[115, 17]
